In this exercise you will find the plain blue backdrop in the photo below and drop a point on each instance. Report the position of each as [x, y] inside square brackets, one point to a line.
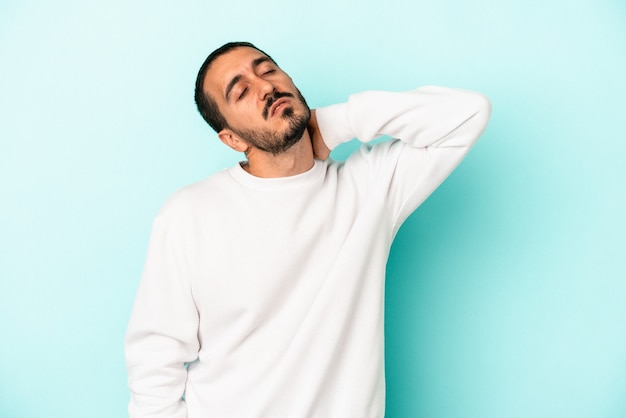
[506, 290]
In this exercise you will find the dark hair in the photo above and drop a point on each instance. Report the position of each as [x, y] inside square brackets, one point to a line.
[205, 103]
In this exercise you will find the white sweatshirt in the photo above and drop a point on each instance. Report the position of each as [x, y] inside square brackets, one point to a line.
[271, 290]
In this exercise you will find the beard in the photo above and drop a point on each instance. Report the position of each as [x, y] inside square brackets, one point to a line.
[278, 142]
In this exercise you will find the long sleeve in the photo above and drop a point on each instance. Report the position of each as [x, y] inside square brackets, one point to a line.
[163, 329]
[434, 128]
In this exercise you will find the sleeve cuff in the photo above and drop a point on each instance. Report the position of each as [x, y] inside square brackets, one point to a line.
[334, 125]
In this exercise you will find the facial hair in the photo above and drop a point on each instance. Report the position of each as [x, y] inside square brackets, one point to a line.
[274, 142]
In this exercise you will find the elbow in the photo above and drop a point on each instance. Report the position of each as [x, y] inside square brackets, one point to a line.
[481, 111]
[484, 100]
[483, 105]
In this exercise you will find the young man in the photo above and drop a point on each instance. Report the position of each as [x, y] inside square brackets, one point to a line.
[262, 294]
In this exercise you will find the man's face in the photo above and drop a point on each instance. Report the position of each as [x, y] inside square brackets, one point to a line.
[259, 101]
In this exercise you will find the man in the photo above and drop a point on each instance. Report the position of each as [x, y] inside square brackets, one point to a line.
[262, 294]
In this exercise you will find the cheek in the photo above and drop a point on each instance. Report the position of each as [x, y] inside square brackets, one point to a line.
[244, 113]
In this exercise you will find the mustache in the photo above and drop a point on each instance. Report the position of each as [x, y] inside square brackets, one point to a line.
[270, 101]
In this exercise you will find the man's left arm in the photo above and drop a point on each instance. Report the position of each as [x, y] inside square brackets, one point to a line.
[435, 126]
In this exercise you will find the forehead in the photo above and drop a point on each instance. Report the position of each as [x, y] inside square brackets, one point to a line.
[228, 65]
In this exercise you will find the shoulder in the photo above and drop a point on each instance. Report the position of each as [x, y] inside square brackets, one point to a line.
[383, 151]
[195, 196]
[371, 161]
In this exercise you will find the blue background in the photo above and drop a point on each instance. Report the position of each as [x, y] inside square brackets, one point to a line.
[506, 290]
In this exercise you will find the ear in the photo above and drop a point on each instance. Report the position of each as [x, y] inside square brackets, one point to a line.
[232, 140]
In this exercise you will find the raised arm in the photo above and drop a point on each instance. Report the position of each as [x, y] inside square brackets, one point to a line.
[428, 116]
[434, 128]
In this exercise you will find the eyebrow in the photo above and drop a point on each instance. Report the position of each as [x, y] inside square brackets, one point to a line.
[230, 86]
[255, 63]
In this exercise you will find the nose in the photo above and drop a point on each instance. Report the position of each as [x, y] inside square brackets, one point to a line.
[265, 88]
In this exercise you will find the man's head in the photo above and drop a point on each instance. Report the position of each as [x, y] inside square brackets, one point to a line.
[249, 101]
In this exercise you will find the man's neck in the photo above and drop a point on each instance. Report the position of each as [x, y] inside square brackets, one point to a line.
[296, 160]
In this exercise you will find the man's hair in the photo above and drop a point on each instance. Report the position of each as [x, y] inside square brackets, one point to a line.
[205, 103]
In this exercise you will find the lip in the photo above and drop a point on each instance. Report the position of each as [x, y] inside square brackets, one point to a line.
[277, 104]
